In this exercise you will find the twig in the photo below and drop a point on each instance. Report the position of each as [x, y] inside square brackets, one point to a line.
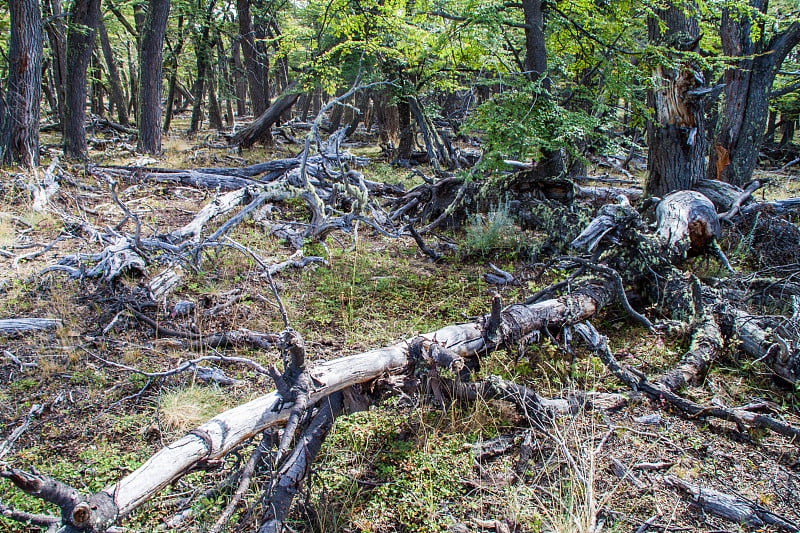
[186, 365]
[742, 198]
[244, 484]
[418, 239]
[41, 520]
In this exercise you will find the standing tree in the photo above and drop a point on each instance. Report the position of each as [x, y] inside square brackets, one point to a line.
[83, 19]
[676, 139]
[20, 132]
[256, 63]
[117, 95]
[56, 37]
[551, 163]
[740, 130]
[150, 55]
[201, 37]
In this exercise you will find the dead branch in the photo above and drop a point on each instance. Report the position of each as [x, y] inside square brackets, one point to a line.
[294, 471]
[733, 508]
[742, 418]
[13, 326]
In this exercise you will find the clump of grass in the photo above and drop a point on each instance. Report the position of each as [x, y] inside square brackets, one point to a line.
[184, 409]
[492, 233]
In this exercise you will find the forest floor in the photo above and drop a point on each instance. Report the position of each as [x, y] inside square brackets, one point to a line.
[404, 466]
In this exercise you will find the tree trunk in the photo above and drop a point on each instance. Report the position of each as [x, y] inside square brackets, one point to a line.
[535, 48]
[173, 76]
[747, 85]
[133, 84]
[202, 49]
[226, 87]
[214, 114]
[150, 61]
[769, 136]
[98, 103]
[259, 128]
[239, 80]
[406, 143]
[254, 57]
[676, 139]
[47, 87]
[551, 163]
[56, 36]
[83, 19]
[20, 131]
[117, 96]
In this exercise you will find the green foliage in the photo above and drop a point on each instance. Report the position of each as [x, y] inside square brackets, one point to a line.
[524, 121]
[414, 472]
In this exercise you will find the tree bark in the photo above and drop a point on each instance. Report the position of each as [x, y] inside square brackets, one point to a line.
[676, 142]
[740, 132]
[150, 61]
[173, 76]
[226, 85]
[83, 19]
[535, 48]
[117, 96]
[20, 132]
[551, 163]
[56, 36]
[259, 128]
[214, 114]
[254, 57]
[202, 49]
[239, 79]
[406, 143]
[224, 432]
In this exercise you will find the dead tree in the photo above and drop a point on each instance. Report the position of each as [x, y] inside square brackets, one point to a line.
[258, 129]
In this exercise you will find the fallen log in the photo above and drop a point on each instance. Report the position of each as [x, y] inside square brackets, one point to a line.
[11, 326]
[224, 432]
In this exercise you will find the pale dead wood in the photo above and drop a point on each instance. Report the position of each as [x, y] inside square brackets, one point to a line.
[11, 326]
[221, 434]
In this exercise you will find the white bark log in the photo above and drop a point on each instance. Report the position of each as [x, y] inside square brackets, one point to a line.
[225, 431]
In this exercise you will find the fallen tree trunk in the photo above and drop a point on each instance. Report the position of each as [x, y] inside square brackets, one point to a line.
[257, 130]
[224, 432]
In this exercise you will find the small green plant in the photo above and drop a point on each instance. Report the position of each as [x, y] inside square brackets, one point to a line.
[492, 232]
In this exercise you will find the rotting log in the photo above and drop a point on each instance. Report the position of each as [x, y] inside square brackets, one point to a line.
[224, 432]
[687, 219]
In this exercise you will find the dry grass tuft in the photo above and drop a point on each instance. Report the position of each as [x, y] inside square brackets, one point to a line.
[184, 409]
